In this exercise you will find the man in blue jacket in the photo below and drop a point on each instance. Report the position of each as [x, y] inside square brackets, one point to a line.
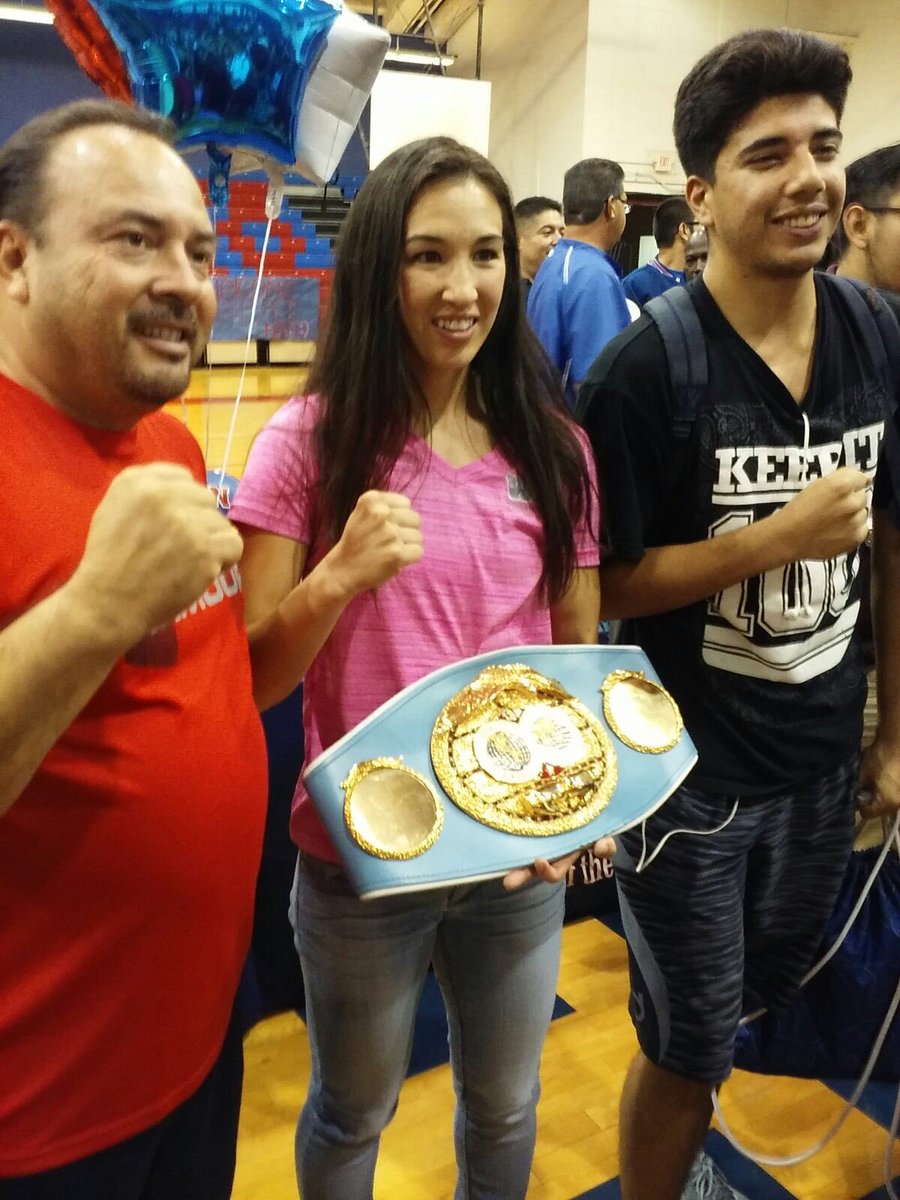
[577, 303]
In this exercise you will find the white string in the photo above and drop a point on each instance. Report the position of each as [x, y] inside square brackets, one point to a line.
[206, 406]
[240, 389]
[642, 865]
[842, 936]
[792, 1160]
[799, 570]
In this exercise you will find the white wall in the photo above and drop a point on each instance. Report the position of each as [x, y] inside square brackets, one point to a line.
[407, 106]
[534, 55]
[872, 118]
[640, 50]
[580, 78]
[637, 55]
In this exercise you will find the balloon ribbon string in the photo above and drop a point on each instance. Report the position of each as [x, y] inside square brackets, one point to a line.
[240, 390]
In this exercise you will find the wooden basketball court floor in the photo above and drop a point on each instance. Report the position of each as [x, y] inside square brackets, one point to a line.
[588, 1048]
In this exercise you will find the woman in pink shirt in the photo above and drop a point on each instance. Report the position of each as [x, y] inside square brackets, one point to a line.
[433, 460]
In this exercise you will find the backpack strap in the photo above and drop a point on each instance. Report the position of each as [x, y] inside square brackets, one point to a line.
[684, 342]
[879, 331]
[877, 328]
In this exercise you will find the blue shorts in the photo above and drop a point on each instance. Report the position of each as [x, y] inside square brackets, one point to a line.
[731, 921]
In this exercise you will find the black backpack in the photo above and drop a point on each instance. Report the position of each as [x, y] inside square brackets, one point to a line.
[675, 316]
[684, 342]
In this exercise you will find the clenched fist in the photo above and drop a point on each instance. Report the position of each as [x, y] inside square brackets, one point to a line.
[382, 536]
[829, 517]
[155, 544]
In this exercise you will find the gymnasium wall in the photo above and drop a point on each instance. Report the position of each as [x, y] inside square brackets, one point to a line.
[570, 79]
[535, 55]
[583, 78]
[36, 72]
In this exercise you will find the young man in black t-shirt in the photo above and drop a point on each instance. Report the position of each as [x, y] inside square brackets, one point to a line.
[733, 547]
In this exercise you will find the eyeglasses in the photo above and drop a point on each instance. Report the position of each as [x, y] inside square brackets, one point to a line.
[623, 202]
[881, 208]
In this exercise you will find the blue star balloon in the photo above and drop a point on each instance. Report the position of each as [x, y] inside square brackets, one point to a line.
[232, 72]
[282, 82]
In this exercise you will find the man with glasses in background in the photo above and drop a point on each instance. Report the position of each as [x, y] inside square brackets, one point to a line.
[867, 246]
[868, 237]
[577, 303]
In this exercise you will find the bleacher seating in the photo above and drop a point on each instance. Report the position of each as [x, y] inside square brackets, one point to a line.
[300, 241]
[294, 240]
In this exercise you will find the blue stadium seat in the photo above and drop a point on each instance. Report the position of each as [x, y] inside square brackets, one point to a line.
[319, 261]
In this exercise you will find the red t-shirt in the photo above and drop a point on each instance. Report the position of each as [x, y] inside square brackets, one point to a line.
[128, 865]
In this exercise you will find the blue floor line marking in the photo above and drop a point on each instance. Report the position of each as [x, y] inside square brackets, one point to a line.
[881, 1192]
[739, 1171]
[743, 1174]
[877, 1101]
[613, 920]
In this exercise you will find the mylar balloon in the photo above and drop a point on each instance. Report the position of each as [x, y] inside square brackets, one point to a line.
[339, 86]
[338, 89]
[281, 82]
[225, 71]
[83, 32]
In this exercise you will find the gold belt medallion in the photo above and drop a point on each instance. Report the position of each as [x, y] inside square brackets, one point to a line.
[517, 752]
[390, 810]
[640, 712]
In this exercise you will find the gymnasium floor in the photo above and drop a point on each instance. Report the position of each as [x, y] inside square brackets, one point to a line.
[588, 1048]
[209, 403]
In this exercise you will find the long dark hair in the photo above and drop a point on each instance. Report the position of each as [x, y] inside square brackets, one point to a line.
[369, 394]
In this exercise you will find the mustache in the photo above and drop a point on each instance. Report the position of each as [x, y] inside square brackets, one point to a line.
[163, 314]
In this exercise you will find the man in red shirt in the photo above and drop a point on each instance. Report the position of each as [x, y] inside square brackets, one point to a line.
[132, 763]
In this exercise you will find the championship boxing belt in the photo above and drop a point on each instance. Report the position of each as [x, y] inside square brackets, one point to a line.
[497, 760]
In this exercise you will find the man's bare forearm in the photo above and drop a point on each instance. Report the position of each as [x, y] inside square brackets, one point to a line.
[669, 577]
[52, 661]
[825, 519]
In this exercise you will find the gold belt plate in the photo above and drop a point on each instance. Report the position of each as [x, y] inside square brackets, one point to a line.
[640, 712]
[517, 752]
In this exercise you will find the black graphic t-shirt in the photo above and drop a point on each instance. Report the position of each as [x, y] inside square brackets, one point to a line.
[768, 673]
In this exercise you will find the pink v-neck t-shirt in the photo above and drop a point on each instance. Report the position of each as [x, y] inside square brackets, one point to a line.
[474, 590]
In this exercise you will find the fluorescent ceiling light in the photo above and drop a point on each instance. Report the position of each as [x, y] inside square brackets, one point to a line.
[24, 12]
[420, 58]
